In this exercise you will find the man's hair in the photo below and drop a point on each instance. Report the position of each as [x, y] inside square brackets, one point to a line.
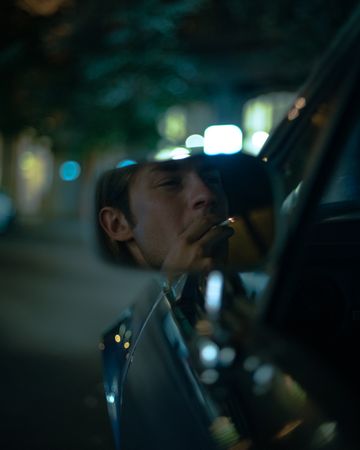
[112, 190]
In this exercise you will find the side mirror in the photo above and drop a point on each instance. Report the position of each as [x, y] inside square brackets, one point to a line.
[194, 214]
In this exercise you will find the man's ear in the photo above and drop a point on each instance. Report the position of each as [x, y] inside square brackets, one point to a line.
[115, 224]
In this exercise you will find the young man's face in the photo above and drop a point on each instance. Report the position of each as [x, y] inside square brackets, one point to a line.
[175, 206]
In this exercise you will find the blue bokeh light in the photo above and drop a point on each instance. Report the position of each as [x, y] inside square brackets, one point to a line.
[125, 163]
[69, 170]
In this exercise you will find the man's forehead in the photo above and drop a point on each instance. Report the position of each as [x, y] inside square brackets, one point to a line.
[145, 173]
[197, 164]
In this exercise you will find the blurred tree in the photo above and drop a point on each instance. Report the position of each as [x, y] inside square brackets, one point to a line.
[92, 74]
[99, 73]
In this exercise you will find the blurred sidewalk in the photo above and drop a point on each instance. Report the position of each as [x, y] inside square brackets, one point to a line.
[67, 231]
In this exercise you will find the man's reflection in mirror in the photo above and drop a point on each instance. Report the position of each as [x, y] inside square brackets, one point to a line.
[164, 215]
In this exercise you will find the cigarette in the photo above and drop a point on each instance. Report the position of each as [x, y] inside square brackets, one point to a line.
[226, 222]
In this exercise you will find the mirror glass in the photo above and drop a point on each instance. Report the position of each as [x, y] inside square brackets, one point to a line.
[193, 214]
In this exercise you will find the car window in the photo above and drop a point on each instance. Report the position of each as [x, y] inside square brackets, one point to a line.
[321, 310]
[298, 144]
[343, 191]
[305, 148]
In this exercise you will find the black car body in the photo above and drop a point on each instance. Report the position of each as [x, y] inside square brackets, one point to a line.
[280, 371]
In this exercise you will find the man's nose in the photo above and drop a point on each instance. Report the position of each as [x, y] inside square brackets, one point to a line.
[201, 194]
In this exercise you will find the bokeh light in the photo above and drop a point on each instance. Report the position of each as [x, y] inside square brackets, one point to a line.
[258, 139]
[194, 140]
[225, 139]
[213, 294]
[172, 153]
[209, 353]
[126, 163]
[180, 153]
[69, 170]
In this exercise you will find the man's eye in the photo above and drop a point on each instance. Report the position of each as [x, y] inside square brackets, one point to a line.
[170, 182]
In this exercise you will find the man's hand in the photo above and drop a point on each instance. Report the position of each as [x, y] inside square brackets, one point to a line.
[201, 246]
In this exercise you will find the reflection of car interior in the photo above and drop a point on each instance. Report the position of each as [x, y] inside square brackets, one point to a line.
[248, 184]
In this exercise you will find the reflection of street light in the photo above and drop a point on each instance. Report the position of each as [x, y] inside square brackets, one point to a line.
[222, 139]
[209, 353]
[213, 294]
[110, 398]
[195, 140]
[125, 163]
[258, 139]
[180, 153]
[172, 153]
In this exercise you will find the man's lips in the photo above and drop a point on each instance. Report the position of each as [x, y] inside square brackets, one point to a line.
[214, 220]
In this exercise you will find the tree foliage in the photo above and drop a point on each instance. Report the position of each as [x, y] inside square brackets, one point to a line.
[99, 73]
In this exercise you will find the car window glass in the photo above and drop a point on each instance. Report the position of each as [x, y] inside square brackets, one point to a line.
[310, 122]
[303, 154]
[344, 187]
[323, 309]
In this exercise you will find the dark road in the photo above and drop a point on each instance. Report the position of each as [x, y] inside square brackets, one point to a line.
[57, 298]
